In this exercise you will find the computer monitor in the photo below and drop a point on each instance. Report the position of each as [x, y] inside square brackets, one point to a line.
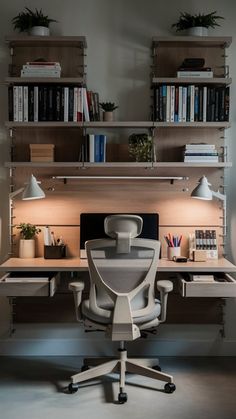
[92, 227]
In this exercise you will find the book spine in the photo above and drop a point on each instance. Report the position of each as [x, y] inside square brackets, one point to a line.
[66, 104]
[91, 148]
[31, 103]
[168, 104]
[172, 103]
[71, 104]
[180, 105]
[15, 104]
[192, 94]
[184, 104]
[75, 104]
[102, 148]
[25, 104]
[80, 105]
[36, 104]
[204, 107]
[97, 148]
[10, 103]
[51, 103]
[85, 105]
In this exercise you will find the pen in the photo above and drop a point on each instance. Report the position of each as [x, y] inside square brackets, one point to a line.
[53, 243]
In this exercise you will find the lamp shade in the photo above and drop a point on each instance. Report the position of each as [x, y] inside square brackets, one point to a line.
[202, 190]
[32, 190]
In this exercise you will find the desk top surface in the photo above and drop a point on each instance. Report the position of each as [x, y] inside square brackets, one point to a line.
[76, 264]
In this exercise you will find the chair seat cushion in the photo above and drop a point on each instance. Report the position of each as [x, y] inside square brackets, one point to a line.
[90, 314]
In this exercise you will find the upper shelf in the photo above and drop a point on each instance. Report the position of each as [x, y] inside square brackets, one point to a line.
[117, 124]
[191, 80]
[24, 41]
[51, 80]
[192, 41]
[121, 165]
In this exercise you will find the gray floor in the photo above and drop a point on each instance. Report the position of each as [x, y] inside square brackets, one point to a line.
[34, 388]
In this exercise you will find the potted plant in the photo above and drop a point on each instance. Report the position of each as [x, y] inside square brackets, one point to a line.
[108, 108]
[27, 242]
[141, 147]
[198, 24]
[34, 22]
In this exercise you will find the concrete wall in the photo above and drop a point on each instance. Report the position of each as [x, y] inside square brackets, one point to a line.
[119, 35]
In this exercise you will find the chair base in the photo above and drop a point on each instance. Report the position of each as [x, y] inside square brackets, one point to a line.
[122, 365]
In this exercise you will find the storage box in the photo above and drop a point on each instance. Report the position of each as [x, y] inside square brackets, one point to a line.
[42, 152]
[54, 252]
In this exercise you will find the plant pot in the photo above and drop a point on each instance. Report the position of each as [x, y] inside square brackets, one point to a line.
[39, 31]
[108, 116]
[27, 248]
[197, 31]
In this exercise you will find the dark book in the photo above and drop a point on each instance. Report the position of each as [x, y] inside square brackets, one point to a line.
[226, 118]
[10, 103]
[31, 103]
[58, 103]
[71, 104]
[200, 104]
[51, 103]
[43, 111]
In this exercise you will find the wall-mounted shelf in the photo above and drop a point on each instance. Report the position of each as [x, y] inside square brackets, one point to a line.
[51, 80]
[40, 41]
[130, 165]
[219, 125]
[192, 41]
[192, 80]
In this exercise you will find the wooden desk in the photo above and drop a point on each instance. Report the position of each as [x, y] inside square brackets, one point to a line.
[76, 264]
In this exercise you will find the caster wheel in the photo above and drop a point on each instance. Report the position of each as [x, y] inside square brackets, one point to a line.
[122, 398]
[156, 367]
[72, 388]
[84, 368]
[170, 388]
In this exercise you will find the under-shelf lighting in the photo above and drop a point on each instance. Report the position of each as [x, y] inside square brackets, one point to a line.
[170, 178]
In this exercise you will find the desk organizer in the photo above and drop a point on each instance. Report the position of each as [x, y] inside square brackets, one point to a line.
[54, 252]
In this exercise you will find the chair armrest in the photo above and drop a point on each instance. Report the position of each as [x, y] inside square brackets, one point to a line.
[164, 287]
[77, 288]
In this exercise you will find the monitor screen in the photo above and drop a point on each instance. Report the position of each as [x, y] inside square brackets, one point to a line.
[92, 227]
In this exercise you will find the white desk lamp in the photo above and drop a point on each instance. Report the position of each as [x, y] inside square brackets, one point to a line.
[32, 190]
[202, 191]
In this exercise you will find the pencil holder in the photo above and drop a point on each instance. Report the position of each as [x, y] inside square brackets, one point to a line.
[54, 252]
[173, 251]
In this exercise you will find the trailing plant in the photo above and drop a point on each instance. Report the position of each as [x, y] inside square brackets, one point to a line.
[26, 19]
[28, 231]
[108, 106]
[186, 20]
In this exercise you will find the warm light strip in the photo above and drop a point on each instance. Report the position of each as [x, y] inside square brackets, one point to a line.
[124, 177]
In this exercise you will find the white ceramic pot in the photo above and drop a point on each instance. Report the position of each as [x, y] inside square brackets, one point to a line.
[108, 116]
[27, 249]
[39, 31]
[197, 31]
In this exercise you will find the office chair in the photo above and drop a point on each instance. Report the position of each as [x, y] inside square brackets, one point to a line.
[122, 300]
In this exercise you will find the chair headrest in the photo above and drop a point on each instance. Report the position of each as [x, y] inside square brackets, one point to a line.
[123, 228]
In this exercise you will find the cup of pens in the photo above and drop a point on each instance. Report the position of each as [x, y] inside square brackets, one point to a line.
[173, 245]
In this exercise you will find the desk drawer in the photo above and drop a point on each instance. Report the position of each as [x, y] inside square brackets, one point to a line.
[24, 284]
[227, 288]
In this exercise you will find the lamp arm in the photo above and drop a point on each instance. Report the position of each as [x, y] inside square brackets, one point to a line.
[220, 196]
[13, 194]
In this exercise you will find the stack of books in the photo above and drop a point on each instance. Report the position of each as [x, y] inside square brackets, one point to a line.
[194, 67]
[94, 148]
[200, 153]
[205, 72]
[41, 69]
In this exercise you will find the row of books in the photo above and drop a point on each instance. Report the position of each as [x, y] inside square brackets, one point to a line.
[41, 69]
[52, 103]
[94, 148]
[197, 153]
[191, 103]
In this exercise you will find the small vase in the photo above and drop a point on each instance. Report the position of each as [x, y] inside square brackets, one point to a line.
[39, 31]
[27, 248]
[197, 31]
[108, 116]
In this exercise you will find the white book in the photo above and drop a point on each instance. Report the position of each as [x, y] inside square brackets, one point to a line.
[192, 95]
[36, 104]
[197, 146]
[172, 103]
[91, 148]
[66, 104]
[203, 74]
[184, 104]
[75, 107]
[168, 104]
[43, 73]
[85, 105]
[204, 103]
[20, 103]
[52, 66]
[15, 104]
[25, 104]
